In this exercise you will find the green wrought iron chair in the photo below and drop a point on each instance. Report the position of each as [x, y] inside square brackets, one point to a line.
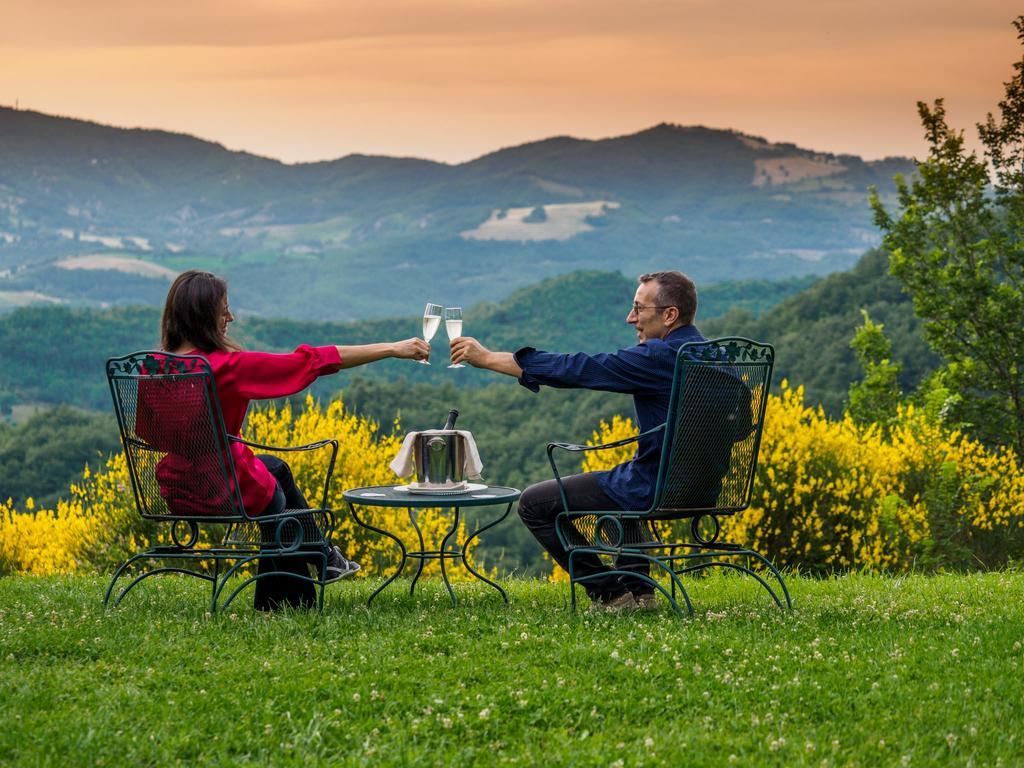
[709, 456]
[169, 415]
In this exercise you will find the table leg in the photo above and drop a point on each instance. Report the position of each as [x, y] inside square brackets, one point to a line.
[419, 533]
[465, 551]
[391, 536]
[444, 550]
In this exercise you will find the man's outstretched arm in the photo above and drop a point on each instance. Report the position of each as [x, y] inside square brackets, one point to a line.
[628, 371]
[466, 349]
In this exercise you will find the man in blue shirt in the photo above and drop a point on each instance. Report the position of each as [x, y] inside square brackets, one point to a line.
[663, 310]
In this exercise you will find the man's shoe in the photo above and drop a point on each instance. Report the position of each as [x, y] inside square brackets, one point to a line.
[646, 601]
[624, 603]
[338, 567]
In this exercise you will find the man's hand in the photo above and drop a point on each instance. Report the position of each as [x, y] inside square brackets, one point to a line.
[411, 349]
[466, 349]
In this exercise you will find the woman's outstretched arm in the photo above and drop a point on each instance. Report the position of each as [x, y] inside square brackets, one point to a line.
[360, 354]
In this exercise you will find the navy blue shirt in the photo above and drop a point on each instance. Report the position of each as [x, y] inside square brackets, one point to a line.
[645, 372]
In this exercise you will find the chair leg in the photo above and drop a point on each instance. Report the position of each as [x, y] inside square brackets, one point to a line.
[775, 572]
[323, 583]
[673, 580]
[718, 551]
[572, 585]
[252, 579]
[672, 552]
[213, 595]
[146, 574]
[667, 568]
[227, 575]
[117, 575]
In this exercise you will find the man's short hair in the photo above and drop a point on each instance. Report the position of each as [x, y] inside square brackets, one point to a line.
[675, 290]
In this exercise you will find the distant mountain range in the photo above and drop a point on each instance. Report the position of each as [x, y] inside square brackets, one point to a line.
[91, 214]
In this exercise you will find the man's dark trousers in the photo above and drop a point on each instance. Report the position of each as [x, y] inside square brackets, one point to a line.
[540, 505]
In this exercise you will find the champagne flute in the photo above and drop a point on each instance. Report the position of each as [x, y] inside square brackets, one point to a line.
[431, 321]
[453, 326]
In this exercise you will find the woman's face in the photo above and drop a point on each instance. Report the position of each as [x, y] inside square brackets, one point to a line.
[225, 316]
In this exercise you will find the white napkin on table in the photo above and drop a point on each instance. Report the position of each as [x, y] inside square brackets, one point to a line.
[402, 465]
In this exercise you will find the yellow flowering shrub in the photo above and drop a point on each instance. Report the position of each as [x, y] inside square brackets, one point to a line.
[98, 525]
[830, 494]
[619, 429]
[363, 458]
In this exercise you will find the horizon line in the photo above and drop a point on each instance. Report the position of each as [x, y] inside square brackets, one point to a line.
[700, 126]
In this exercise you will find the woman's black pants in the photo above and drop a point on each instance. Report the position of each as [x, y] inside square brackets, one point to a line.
[281, 589]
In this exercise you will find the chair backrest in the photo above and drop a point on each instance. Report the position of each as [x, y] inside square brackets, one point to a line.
[174, 439]
[716, 414]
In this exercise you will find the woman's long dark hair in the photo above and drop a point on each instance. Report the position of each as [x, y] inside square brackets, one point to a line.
[192, 314]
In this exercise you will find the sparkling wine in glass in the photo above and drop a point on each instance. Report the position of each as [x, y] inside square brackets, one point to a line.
[431, 321]
[453, 326]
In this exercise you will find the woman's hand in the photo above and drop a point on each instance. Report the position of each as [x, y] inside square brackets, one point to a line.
[361, 354]
[411, 349]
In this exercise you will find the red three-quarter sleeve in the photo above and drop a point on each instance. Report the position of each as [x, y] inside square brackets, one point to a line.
[265, 375]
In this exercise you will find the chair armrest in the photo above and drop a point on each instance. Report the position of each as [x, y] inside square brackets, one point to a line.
[624, 514]
[615, 444]
[569, 536]
[581, 448]
[310, 447]
[324, 528]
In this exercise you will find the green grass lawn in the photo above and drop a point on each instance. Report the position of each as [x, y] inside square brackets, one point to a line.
[864, 671]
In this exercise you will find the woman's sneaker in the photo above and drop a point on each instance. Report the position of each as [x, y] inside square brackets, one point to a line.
[338, 567]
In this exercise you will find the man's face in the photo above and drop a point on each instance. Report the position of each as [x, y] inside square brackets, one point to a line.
[648, 319]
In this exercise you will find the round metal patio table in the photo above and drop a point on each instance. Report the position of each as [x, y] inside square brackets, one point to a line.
[388, 496]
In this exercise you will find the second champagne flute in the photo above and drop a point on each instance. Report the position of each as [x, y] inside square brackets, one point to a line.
[431, 321]
[453, 326]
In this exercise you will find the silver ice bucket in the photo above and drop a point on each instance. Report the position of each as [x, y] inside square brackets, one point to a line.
[440, 459]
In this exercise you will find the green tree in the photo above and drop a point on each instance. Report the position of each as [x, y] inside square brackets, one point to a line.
[875, 397]
[7, 401]
[957, 245]
[40, 457]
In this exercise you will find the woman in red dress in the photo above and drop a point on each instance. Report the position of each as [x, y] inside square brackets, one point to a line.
[195, 321]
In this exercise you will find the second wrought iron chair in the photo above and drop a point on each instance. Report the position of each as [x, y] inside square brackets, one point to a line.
[710, 441]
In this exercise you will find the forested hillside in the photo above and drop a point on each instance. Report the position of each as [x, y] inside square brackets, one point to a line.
[40, 457]
[56, 354]
[812, 331]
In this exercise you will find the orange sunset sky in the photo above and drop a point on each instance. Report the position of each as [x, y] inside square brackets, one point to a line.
[449, 80]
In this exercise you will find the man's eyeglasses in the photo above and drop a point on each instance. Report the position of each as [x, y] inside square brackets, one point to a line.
[638, 308]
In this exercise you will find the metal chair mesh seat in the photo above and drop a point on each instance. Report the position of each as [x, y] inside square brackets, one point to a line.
[709, 458]
[183, 477]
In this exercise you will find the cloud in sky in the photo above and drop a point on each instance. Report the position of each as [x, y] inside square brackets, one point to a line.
[451, 79]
